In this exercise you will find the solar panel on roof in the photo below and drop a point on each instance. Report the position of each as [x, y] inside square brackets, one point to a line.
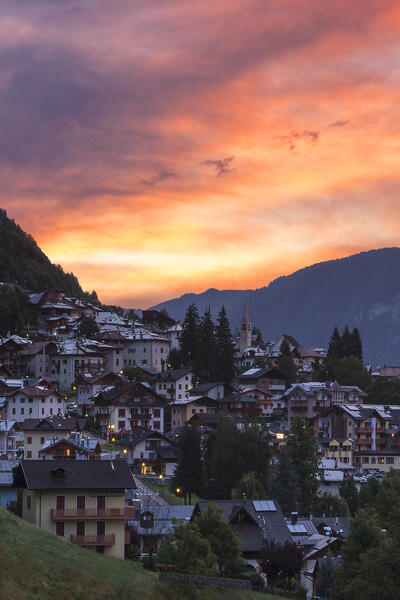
[264, 505]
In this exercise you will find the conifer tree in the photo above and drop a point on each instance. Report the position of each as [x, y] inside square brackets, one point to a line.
[303, 452]
[335, 349]
[207, 354]
[346, 342]
[349, 492]
[356, 344]
[224, 348]
[190, 336]
[285, 489]
[189, 469]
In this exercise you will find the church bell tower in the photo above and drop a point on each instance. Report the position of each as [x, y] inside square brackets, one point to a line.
[245, 330]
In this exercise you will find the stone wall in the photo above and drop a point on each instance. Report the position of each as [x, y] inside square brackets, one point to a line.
[242, 584]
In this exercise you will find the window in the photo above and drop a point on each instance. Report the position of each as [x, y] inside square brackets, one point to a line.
[390, 460]
[29, 502]
[22, 411]
[381, 460]
[365, 460]
[13, 411]
[22, 400]
[156, 424]
[29, 440]
[60, 528]
[42, 440]
[121, 424]
[157, 412]
[193, 411]
[180, 386]
[121, 412]
[42, 411]
[80, 502]
[29, 454]
[144, 350]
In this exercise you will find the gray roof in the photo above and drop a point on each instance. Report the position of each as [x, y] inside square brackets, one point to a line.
[77, 474]
[261, 525]
[164, 516]
[172, 374]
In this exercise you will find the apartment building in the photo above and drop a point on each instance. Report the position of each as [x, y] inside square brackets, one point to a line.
[174, 384]
[80, 501]
[34, 402]
[38, 432]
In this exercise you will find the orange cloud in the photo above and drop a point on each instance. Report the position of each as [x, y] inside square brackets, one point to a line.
[172, 147]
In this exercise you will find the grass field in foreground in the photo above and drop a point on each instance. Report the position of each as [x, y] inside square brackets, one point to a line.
[36, 565]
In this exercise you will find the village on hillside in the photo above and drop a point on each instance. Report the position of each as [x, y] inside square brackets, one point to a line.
[119, 429]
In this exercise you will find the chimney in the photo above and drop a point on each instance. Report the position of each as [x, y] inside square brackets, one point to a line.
[294, 518]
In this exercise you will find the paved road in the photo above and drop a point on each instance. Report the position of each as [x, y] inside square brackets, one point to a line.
[147, 496]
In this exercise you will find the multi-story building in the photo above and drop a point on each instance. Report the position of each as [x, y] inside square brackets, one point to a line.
[38, 432]
[88, 384]
[34, 402]
[8, 430]
[35, 359]
[307, 399]
[127, 407]
[78, 356]
[80, 501]
[372, 431]
[174, 384]
[182, 410]
[150, 451]
[271, 380]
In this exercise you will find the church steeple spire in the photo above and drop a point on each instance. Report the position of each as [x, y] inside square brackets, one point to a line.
[245, 330]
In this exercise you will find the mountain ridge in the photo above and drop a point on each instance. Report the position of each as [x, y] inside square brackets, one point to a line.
[360, 290]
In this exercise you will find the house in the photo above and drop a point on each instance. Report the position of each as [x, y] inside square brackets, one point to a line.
[89, 384]
[332, 474]
[183, 410]
[271, 380]
[372, 430]
[8, 494]
[8, 445]
[150, 451]
[173, 384]
[205, 420]
[35, 359]
[34, 402]
[79, 356]
[10, 349]
[132, 405]
[264, 399]
[75, 447]
[215, 390]
[307, 399]
[148, 349]
[39, 431]
[80, 501]
[253, 521]
[241, 405]
[164, 519]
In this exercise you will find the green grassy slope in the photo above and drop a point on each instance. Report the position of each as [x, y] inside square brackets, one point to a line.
[36, 565]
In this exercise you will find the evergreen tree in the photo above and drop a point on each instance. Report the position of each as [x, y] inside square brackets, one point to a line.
[225, 545]
[335, 348]
[190, 337]
[175, 359]
[303, 452]
[188, 551]
[356, 344]
[329, 505]
[285, 349]
[189, 468]
[207, 355]
[285, 489]
[88, 327]
[326, 575]
[348, 491]
[281, 563]
[250, 487]
[225, 356]
[223, 450]
[346, 342]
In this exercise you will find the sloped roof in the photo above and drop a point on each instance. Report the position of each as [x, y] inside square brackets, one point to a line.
[77, 474]
[172, 374]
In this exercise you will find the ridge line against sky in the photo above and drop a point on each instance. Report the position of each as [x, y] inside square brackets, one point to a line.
[155, 148]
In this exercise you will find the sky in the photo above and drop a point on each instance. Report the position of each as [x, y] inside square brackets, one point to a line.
[159, 147]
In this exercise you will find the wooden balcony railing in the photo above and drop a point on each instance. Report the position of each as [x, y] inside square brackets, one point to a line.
[140, 416]
[93, 540]
[364, 441]
[128, 512]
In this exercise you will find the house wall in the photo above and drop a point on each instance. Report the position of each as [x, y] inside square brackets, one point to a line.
[42, 502]
[21, 407]
[39, 437]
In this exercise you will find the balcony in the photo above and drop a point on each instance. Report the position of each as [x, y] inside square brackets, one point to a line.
[127, 537]
[380, 430]
[128, 512]
[296, 408]
[364, 429]
[93, 540]
[276, 387]
[364, 441]
[140, 416]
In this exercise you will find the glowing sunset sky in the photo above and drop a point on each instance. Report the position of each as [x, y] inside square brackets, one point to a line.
[158, 147]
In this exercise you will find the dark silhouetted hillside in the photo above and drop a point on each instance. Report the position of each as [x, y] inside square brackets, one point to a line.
[23, 262]
[362, 290]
